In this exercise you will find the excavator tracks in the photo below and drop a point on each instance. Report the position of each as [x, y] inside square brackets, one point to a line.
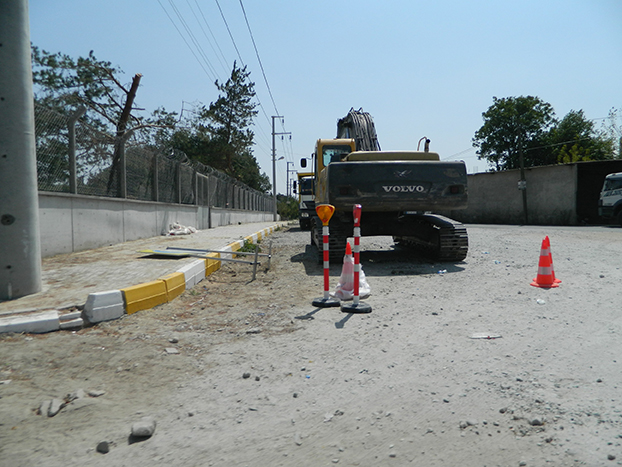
[440, 237]
[432, 235]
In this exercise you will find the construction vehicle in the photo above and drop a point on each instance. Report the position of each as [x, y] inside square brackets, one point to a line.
[610, 202]
[398, 191]
[306, 198]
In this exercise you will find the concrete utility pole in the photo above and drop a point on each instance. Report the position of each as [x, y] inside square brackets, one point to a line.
[523, 183]
[288, 183]
[20, 247]
[274, 164]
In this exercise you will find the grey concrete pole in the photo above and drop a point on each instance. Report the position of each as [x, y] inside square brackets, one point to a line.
[20, 247]
[274, 214]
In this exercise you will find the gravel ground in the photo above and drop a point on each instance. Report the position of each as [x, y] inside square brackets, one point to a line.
[242, 373]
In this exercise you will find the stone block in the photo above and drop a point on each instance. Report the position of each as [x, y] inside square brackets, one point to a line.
[194, 272]
[175, 285]
[104, 306]
[144, 296]
[212, 265]
[46, 321]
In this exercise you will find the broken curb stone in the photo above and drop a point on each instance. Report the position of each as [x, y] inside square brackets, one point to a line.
[104, 306]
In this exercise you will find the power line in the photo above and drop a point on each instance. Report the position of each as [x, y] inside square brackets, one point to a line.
[193, 37]
[210, 76]
[458, 153]
[263, 72]
[230, 35]
[210, 30]
[259, 58]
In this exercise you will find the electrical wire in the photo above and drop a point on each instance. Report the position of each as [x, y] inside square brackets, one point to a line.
[209, 75]
[222, 64]
[229, 31]
[259, 58]
[193, 37]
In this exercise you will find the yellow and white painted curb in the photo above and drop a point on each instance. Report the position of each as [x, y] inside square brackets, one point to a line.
[112, 304]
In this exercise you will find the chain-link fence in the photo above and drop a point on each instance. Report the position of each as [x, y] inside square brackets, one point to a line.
[75, 157]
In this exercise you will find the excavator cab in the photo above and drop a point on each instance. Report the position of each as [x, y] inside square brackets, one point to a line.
[332, 150]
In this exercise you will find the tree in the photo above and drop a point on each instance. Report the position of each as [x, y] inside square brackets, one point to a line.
[219, 135]
[612, 129]
[512, 124]
[575, 138]
[63, 85]
[528, 125]
[287, 207]
[228, 120]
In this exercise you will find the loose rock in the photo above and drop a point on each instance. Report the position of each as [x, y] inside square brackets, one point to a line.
[55, 406]
[144, 428]
[44, 407]
[103, 447]
[78, 394]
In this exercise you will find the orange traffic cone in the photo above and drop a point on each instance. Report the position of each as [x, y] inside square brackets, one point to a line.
[546, 276]
[548, 244]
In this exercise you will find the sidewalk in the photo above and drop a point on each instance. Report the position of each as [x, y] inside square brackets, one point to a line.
[69, 279]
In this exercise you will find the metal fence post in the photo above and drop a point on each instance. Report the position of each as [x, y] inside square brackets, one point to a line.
[155, 188]
[71, 128]
[195, 177]
[178, 182]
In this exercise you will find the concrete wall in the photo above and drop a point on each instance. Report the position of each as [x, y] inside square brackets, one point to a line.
[494, 197]
[70, 223]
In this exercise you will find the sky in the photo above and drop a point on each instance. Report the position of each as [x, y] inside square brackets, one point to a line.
[419, 68]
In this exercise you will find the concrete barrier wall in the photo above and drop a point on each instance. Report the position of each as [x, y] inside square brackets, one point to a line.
[494, 197]
[70, 223]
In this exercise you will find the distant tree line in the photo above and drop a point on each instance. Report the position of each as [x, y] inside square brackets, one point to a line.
[526, 127]
[219, 134]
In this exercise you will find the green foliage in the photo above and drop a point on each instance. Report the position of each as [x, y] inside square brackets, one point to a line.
[508, 124]
[219, 135]
[527, 124]
[249, 247]
[575, 139]
[64, 84]
[287, 207]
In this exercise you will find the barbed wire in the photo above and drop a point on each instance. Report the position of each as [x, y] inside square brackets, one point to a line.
[150, 175]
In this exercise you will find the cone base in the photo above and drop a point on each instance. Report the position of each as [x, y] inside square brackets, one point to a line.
[325, 302]
[360, 307]
[544, 286]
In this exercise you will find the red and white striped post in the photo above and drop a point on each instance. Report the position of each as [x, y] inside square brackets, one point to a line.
[325, 212]
[356, 306]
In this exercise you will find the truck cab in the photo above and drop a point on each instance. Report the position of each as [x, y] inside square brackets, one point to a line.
[306, 198]
[610, 202]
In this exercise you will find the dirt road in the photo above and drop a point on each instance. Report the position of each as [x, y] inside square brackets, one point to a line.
[242, 373]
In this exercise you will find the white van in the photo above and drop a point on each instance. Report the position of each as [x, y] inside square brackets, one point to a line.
[610, 203]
